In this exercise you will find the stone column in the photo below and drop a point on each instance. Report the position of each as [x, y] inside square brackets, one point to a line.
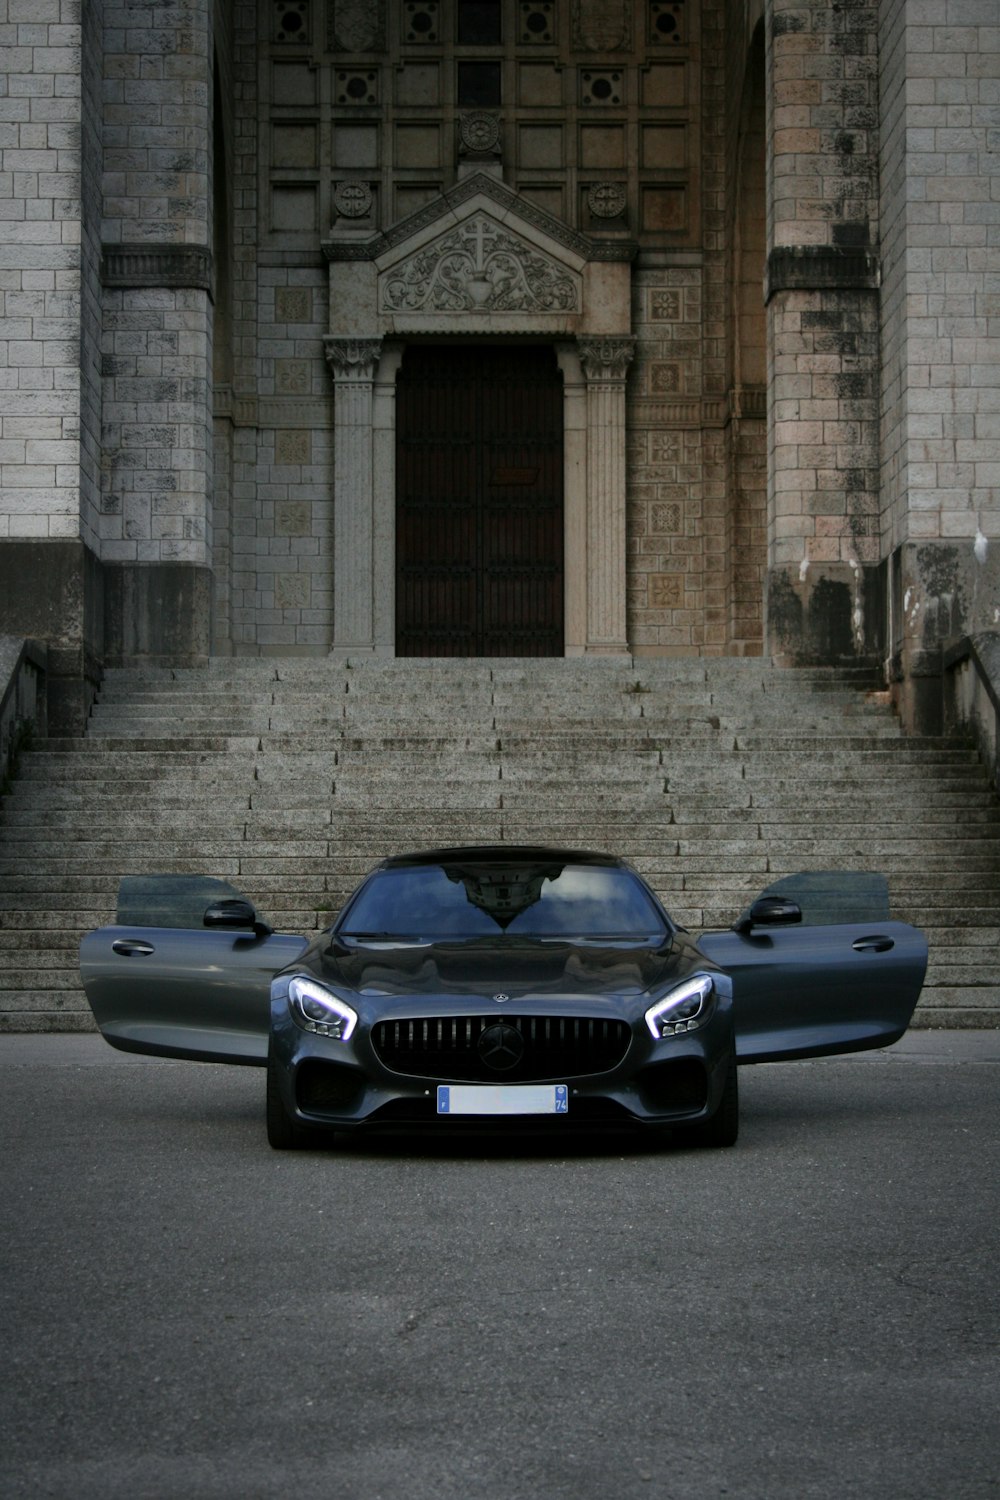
[384, 500]
[353, 363]
[940, 242]
[574, 497]
[605, 363]
[157, 271]
[823, 332]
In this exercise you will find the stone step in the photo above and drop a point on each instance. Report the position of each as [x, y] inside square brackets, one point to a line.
[291, 779]
[279, 809]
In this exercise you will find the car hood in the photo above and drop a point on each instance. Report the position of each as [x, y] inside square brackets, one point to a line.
[540, 969]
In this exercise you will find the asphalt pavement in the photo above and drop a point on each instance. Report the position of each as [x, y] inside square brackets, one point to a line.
[188, 1315]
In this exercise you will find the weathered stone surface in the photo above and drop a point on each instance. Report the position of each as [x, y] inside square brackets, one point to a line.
[710, 814]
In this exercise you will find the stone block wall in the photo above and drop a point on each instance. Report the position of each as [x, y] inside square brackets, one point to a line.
[40, 269]
[940, 214]
[282, 523]
[822, 281]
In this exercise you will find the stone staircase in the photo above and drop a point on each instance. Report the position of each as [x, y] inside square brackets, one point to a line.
[291, 778]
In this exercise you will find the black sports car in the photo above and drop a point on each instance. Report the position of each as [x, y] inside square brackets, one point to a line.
[528, 986]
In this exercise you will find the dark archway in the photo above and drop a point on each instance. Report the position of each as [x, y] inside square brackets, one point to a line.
[479, 501]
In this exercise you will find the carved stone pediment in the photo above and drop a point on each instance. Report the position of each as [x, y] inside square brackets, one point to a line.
[479, 266]
[478, 259]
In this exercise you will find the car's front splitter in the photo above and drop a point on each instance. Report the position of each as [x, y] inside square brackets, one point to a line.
[327, 1084]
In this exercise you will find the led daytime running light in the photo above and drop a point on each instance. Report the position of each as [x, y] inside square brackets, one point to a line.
[317, 1010]
[684, 1009]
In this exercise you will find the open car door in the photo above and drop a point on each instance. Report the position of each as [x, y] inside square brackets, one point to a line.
[185, 971]
[818, 968]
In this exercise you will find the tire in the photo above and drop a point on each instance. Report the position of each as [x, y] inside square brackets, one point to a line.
[724, 1126]
[283, 1133]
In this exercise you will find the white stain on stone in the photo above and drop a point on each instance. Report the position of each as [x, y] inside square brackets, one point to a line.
[914, 612]
[803, 569]
[980, 546]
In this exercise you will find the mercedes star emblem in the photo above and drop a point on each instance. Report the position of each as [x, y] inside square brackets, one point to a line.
[501, 1047]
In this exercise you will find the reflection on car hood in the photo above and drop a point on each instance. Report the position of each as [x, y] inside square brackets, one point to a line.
[552, 968]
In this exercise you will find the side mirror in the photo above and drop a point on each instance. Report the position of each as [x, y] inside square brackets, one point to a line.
[235, 913]
[769, 911]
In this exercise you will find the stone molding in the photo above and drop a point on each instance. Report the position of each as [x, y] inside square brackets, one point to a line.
[818, 268]
[504, 198]
[748, 402]
[157, 265]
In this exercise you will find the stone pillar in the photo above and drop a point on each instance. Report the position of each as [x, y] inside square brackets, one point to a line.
[824, 584]
[353, 363]
[605, 364]
[50, 383]
[157, 273]
[574, 497]
[384, 498]
[940, 339]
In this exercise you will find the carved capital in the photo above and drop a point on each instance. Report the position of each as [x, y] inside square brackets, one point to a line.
[352, 359]
[606, 358]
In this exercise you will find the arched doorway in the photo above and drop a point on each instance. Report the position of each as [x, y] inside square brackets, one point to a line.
[479, 501]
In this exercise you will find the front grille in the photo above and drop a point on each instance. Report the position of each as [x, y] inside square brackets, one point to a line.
[459, 1047]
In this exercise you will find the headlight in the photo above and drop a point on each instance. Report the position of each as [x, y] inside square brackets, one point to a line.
[317, 1010]
[684, 1009]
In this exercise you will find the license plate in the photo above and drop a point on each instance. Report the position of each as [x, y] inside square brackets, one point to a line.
[502, 1099]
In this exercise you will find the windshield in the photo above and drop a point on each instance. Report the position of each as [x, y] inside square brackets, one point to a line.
[478, 899]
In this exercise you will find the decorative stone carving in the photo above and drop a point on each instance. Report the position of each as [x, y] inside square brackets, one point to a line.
[479, 132]
[538, 21]
[352, 199]
[667, 22]
[356, 25]
[507, 201]
[602, 25]
[352, 359]
[291, 21]
[480, 267]
[164, 264]
[606, 358]
[357, 86]
[603, 86]
[420, 21]
[607, 200]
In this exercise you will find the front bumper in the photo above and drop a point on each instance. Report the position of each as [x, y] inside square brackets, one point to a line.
[345, 1086]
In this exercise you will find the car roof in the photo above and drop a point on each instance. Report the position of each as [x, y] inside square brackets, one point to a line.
[501, 854]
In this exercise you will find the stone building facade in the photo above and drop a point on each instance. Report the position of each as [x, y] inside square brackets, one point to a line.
[496, 327]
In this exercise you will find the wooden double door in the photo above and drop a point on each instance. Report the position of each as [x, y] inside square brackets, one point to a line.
[479, 501]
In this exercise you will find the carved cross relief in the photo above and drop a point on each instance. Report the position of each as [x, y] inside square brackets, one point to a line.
[480, 266]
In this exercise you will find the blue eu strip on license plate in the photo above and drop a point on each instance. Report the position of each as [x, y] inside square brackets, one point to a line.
[502, 1099]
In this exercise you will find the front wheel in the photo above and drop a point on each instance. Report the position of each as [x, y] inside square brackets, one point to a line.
[283, 1133]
